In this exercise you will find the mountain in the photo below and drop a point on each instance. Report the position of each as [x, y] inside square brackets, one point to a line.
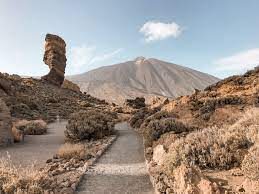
[141, 77]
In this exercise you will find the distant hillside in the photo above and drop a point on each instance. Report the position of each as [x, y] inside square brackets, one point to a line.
[141, 77]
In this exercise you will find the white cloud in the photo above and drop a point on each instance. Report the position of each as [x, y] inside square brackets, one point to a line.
[239, 62]
[82, 57]
[158, 31]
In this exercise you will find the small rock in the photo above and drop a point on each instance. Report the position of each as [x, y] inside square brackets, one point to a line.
[73, 186]
[241, 190]
[67, 190]
[49, 161]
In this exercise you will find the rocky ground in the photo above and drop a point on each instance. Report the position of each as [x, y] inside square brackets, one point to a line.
[31, 99]
[68, 173]
[194, 143]
[121, 169]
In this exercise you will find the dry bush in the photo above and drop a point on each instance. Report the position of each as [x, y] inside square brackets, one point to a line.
[86, 125]
[140, 115]
[156, 128]
[17, 134]
[137, 103]
[209, 148]
[35, 127]
[69, 151]
[250, 164]
[21, 180]
[248, 124]
[215, 148]
[157, 116]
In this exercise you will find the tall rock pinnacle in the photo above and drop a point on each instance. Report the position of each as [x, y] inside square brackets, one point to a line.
[55, 58]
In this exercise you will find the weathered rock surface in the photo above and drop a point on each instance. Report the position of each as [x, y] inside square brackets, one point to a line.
[55, 58]
[158, 154]
[6, 137]
[70, 85]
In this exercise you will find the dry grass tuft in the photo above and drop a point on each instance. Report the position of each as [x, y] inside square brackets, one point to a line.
[20, 180]
[69, 150]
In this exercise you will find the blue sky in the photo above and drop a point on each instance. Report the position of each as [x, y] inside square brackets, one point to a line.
[217, 37]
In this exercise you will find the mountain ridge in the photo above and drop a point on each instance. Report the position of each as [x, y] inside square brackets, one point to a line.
[141, 77]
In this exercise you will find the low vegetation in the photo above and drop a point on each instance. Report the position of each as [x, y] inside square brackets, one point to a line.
[35, 127]
[157, 116]
[69, 150]
[140, 115]
[218, 148]
[91, 124]
[158, 127]
[20, 180]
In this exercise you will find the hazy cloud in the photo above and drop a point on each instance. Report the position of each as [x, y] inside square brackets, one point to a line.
[82, 57]
[105, 56]
[239, 62]
[153, 30]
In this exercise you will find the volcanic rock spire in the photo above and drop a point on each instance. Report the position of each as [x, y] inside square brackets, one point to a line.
[55, 58]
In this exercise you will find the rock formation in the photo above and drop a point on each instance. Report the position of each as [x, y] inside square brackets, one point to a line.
[6, 136]
[70, 85]
[55, 58]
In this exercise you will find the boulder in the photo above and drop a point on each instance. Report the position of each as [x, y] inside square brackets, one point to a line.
[55, 58]
[6, 136]
[159, 154]
[190, 180]
[70, 85]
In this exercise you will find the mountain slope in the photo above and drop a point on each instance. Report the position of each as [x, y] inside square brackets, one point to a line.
[141, 77]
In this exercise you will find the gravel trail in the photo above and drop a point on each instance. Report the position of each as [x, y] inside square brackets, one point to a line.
[121, 169]
[37, 148]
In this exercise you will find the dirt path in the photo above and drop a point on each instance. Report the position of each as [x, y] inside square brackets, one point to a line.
[37, 148]
[121, 169]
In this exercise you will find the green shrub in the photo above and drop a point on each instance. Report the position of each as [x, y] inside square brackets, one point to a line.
[86, 125]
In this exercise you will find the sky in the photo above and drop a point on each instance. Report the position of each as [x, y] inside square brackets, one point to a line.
[217, 37]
